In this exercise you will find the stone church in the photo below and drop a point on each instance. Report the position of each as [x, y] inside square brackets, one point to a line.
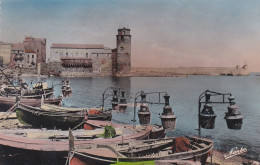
[90, 59]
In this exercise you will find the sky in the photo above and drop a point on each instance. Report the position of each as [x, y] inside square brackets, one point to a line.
[165, 33]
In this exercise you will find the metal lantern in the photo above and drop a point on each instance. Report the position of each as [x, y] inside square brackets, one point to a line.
[207, 117]
[114, 101]
[168, 118]
[233, 117]
[144, 113]
[122, 104]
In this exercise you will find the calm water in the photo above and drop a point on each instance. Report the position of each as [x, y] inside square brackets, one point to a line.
[184, 92]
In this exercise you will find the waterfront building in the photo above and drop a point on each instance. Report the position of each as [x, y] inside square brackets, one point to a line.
[17, 55]
[76, 56]
[29, 53]
[30, 59]
[38, 45]
[5, 53]
[92, 59]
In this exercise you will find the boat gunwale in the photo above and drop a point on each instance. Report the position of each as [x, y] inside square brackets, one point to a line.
[188, 154]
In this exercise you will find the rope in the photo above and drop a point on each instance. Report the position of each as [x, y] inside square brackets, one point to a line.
[70, 156]
[79, 124]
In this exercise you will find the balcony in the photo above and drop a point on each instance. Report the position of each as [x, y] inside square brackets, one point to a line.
[76, 62]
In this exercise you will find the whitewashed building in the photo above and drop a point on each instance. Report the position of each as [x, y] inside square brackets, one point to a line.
[59, 51]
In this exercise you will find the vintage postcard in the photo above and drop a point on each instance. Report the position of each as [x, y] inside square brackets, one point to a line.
[140, 82]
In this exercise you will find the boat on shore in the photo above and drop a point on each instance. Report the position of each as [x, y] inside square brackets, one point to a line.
[43, 140]
[179, 148]
[8, 102]
[60, 119]
[93, 113]
[157, 130]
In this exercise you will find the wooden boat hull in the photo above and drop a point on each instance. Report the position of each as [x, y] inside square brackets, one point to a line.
[61, 145]
[93, 113]
[8, 102]
[39, 118]
[47, 94]
[104, 115]
[157, 130]
[31, 94]
[107, 154]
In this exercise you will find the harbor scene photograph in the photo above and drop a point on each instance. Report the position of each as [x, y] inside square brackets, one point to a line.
[173, 82]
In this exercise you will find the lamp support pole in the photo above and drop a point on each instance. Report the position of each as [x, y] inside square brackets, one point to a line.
[105, 95]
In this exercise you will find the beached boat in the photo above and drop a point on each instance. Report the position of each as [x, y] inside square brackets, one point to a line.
[39, 117]
[8, 102]
[179, 148]
[93, 113]
[43, 140]
[157, 130]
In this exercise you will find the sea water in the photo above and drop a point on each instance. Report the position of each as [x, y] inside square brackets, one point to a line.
[184, 93]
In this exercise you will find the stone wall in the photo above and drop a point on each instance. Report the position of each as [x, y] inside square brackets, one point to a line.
[102, 65]
[49, 68]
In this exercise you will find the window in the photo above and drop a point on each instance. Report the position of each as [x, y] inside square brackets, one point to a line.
[67, 54]
[86, 55]
[32, 56]
[27, 58]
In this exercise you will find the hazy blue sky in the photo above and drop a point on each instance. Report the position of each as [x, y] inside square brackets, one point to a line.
[167, 33]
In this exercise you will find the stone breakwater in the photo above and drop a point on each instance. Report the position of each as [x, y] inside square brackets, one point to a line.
[169, 72]
[56, 68]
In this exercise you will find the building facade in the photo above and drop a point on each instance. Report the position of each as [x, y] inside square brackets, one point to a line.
[5, 53]
[29, 53]
[38, 45]
[82, 58]
[94, 59]
[17, 55]
[30, 58]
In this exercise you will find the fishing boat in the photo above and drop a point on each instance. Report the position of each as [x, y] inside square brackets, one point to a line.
[93, 113]
[8, 101]
[50, 118]
[179, 148]
[66, 89]
[35, 93]
[43, 140]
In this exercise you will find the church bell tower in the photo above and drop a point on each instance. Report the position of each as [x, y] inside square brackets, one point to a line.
[123, 49]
